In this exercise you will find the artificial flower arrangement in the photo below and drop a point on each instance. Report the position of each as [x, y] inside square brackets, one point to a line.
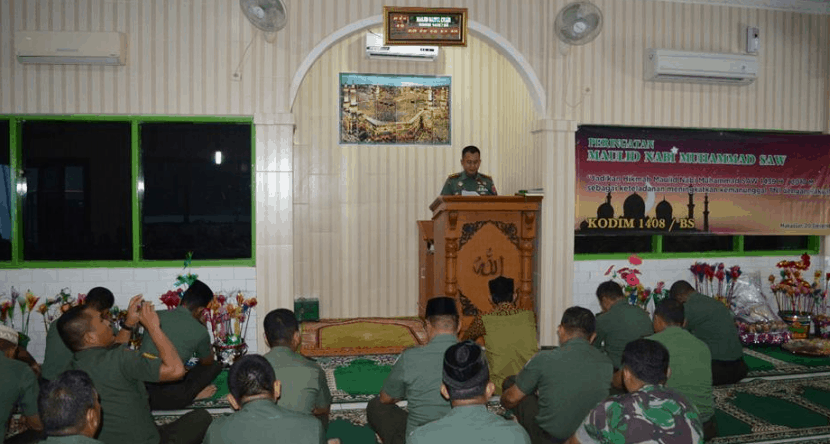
[793, 293]
[52, 309]
[716, 281]
[27, 304]
[635, 292]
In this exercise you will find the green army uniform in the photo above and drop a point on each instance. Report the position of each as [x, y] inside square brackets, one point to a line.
[304, 385]
[19, 385]
[481, 184]
[653, 414]
[471, 423]
[691, 368]
[188, 335]
[417, 377]
[71, 439]
[570, 381]
[711, 322]
[119, 375]
[621, 324]
[263, 421]
[57, 356]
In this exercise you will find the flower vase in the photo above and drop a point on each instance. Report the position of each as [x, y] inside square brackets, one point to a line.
[227, 354]
[797, 322]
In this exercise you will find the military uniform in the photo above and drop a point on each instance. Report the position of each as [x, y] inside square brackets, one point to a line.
[653, 414]
[691, 368]
[570, 380]
[57, 356]
[18, 385]
[188, 335]
[119, 375]
[481, 184]
[191, 339]
[304, 385]
[621, 324]
[416, 377]
[711, 322]
[262, 421]
[71, 439]
[471, 423]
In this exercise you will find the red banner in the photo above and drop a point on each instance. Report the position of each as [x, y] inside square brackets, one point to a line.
[678, 181]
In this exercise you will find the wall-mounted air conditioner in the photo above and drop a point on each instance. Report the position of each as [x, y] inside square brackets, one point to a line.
[376, 50]
[71, 48]
[666, 65]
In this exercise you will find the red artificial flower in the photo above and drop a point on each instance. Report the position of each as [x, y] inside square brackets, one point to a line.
[634, 260]
[631, 279]
[607, 272]
[720, 275]
[221, 299]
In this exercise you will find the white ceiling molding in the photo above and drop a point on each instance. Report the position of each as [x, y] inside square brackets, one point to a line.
[801, 6]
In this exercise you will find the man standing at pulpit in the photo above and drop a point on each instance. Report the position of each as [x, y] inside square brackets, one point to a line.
[509, 332]
[469, 180]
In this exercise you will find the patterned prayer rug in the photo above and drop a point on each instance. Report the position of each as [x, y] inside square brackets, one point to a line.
[773, 361]
[361, 336]
[767, 410]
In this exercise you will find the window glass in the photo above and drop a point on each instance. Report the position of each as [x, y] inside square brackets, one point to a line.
[776, 243]
[77, 190]
[6, 194]
[197, 190]
[696, 243]
[612, 244]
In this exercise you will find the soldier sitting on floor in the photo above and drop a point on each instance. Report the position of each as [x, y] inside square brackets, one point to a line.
[617, 325]
[466, 383]
[305, 389]
[711, 322]
[416, 377]
[650, 412]
[254, 391]
[119, 375]
[70, 409]
[19, 386]
[185, 326]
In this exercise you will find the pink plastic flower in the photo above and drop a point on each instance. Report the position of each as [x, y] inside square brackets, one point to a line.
[635, 260]
[632, 279]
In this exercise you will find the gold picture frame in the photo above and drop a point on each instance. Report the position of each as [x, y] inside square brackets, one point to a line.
[424, 26]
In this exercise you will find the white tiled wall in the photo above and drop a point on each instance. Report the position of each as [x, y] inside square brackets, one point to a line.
[124, 283]
[589, 274]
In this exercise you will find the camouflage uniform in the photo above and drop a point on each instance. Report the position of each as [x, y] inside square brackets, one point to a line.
[481, 184]
[653, 414]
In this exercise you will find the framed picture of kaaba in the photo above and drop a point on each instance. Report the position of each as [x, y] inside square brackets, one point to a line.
[393, 109]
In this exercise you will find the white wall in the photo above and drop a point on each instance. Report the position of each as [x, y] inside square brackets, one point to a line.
[124, 283]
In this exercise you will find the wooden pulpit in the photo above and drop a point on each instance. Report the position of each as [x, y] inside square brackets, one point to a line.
[471, 240]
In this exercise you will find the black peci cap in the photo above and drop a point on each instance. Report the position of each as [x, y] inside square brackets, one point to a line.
[441, 305]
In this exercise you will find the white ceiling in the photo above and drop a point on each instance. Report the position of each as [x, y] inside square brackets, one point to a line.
[805, 6]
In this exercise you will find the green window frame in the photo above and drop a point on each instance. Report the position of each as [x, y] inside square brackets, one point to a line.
[18, 261]
[813, 248]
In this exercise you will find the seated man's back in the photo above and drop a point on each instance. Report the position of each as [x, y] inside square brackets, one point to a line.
[304, 385]
[569, 380]
[258, 419]
[619, 323]
[467, 385]
[18, 386]
[509, 332]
